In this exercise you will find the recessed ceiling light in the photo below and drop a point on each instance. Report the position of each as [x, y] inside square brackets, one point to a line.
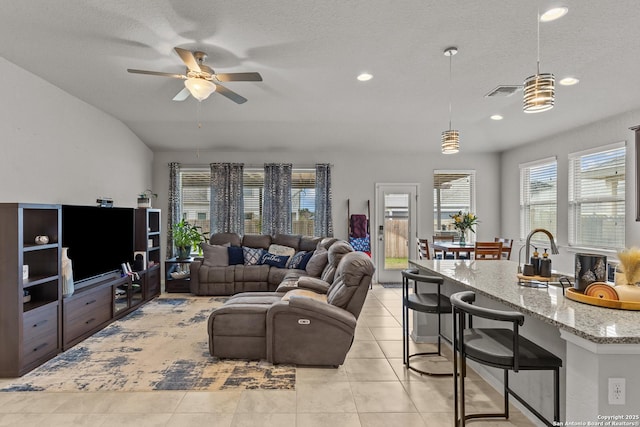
[569, 81]
[364, 77]
[496, 117]
[553, 14]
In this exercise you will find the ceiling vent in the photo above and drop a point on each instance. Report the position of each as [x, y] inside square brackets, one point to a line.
[506, 90]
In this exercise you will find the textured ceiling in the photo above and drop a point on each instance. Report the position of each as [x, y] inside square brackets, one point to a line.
[309, 53]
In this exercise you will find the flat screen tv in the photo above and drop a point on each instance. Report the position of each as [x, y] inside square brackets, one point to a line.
[99, 239]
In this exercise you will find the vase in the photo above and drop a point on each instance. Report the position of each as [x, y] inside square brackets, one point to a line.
[463, 239]
[67, 274]
[184, 252]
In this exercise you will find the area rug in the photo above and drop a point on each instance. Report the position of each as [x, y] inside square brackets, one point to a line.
[391, 285]
[161, 346]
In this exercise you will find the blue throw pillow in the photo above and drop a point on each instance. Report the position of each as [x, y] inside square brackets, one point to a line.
[297, 259]
[305, 260]
[252, 255]
[236, 255]
[279, 261]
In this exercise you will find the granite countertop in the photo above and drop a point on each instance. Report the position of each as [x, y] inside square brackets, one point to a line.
[497, 280]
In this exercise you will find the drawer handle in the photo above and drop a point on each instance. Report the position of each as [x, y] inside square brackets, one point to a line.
[40, 347]
[35, 325]
[90, 321]
[90, 302]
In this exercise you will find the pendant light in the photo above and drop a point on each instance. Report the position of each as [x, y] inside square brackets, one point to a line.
[539, 89]
[451, 137]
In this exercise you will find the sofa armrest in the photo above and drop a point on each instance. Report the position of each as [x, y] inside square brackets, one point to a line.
[313, 284]
[194, 278]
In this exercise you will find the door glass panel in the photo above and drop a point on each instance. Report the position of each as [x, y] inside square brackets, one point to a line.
[396, 231]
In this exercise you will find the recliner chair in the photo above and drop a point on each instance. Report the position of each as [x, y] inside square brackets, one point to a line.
[302, 326]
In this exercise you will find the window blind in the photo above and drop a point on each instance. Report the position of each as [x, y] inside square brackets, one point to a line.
[195, 195]
[538, 196]
[453, 191]
[597, 198]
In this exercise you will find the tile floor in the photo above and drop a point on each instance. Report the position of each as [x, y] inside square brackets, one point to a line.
[371, 389]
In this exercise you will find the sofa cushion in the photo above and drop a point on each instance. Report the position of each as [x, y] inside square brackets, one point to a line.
[256, 241]
[252, 255]
[291, 240]
[268, 258]
[308, 243]
[317, 262]
[221, 238]
[236, 255]
[215, 255]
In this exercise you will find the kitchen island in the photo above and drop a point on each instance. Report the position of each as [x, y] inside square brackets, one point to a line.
[595, 343]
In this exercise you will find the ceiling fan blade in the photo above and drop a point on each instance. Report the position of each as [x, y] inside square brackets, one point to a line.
[188, 58]
[239, 77]
[157, 73]
[182, 95]
[230, 94]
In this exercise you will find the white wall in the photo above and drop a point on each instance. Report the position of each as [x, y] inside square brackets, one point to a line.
[56, 148]
[606, 131]
[354, 176]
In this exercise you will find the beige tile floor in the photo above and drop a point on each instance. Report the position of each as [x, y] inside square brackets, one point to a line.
[371, 389]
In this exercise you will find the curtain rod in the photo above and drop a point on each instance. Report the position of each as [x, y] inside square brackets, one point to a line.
[248, 166]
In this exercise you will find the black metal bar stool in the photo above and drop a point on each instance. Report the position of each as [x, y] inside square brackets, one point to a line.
[432, 303]
[502, 348]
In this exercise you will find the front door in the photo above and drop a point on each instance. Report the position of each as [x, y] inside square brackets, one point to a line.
[396, 229]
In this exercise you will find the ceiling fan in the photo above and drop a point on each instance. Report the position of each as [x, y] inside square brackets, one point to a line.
[200, 81]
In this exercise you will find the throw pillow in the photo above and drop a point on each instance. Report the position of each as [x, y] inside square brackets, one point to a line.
[215, 255]
[279, 261]
[305, 260]
[317, 262]
[296, 260]
[236, 255]
[251, 255]
[282, 250]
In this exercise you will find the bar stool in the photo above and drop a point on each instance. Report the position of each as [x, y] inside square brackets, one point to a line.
[433, 303]
[502, 348]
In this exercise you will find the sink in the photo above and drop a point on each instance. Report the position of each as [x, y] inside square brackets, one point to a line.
[556, 279]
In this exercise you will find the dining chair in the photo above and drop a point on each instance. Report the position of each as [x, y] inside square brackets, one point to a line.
[488, 250]
[507, 244]
[423, 249]
[500, 347]
[446, 238]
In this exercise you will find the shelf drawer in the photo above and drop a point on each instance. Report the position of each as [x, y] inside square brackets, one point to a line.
[85, 313]
[40, 330]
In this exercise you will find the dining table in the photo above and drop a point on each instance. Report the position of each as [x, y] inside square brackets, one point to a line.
[454, 247]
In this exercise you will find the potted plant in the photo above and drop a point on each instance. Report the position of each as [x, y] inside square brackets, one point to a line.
[186, 236]
[144, 198]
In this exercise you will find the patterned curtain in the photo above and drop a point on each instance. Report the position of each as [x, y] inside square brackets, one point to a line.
[276, 212]
[174, 205]
[227, 199]
[323, 222]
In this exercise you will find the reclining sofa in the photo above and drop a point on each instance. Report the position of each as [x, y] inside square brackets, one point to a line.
[313, 324]
[255, 262]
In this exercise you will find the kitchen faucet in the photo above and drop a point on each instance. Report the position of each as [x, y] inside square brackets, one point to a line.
[554, 248]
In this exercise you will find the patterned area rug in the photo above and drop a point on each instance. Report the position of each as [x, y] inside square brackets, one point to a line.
[391, 285]
[161, 346]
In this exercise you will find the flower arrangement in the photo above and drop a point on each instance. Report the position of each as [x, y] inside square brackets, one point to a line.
[464, 221]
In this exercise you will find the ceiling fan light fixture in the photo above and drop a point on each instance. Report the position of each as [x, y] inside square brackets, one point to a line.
[450, 141]
[199, 88]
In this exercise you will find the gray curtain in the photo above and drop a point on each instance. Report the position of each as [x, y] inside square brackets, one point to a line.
[227, 199]
[276, 212]
[323, 222]
[174, 205]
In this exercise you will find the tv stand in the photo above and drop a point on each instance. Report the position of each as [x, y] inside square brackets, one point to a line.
[38, 324]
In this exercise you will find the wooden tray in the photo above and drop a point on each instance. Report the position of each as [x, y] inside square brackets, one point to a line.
[536, 278]
[575, 295]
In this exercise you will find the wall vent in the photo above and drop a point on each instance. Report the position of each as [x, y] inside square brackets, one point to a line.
[506, 90]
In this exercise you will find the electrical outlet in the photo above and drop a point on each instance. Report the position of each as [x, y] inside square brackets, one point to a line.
[616, 391]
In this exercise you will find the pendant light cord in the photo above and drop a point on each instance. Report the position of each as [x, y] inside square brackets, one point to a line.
[450, 86]
[538, 62]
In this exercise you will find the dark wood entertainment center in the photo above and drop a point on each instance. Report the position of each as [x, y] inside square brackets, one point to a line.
[36, 327]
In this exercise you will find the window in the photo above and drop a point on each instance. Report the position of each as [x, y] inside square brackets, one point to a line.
[538, 196]
[195, 192]
[196, 196]
[597, 197]
[453, 191]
